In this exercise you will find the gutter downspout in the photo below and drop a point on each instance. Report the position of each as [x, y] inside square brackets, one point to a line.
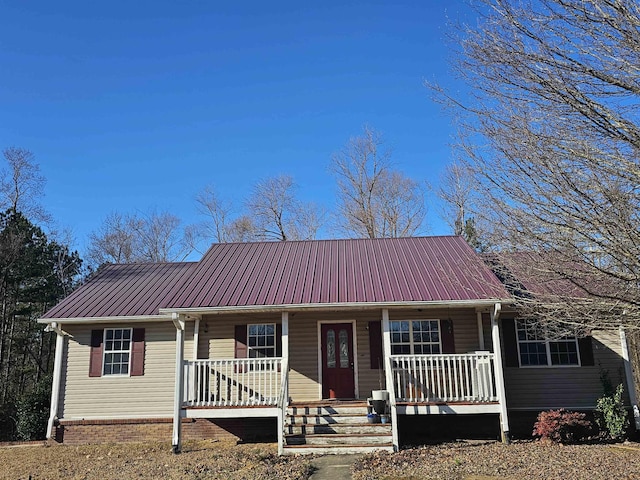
[176, 442]
[499, 373]
[57, 377]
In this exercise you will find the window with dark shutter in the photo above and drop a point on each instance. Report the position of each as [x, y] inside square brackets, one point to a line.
[375, 345]
[137, 352]
[510, 342]
[446, 336]
[95, 357]
[123, 353]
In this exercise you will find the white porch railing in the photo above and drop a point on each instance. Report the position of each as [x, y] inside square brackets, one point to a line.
[444, 378]
[234, 382]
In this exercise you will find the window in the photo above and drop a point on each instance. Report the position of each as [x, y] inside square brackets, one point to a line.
[415, 337]
[537, 350]
[261, 340]
[117, 351]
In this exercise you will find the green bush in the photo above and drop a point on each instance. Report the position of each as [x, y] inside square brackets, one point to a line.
[611, 415]
[33, 412]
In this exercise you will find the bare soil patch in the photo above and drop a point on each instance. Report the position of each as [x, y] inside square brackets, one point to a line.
[520, 460]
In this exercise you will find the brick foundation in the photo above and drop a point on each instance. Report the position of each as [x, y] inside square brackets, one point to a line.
[76, 432]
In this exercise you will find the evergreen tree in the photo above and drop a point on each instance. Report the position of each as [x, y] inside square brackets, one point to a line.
[35, 273]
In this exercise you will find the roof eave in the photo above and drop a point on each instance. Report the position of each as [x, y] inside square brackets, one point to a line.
[477, 303]
[130, 319]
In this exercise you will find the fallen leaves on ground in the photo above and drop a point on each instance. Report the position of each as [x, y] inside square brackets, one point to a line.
[207, 460]
[492, 460]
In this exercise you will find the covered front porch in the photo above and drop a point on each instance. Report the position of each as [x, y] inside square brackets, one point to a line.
[418, 384]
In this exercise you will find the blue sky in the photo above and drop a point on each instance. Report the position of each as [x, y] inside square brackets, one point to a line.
[133, 106]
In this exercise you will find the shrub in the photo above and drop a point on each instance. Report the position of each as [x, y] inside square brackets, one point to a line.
[561, 426]
[33, 412]
[611, 415]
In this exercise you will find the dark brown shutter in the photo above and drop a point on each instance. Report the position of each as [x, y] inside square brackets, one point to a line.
[375, 345]
[241, 341]
[446, 336]
[585, 345]
[95, 357]
[278, 339]
[137, 352]
[510, 343]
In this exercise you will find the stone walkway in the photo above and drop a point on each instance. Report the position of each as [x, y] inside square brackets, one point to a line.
[333, 467]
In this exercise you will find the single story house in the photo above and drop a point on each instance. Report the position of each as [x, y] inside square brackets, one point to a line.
[288, 340]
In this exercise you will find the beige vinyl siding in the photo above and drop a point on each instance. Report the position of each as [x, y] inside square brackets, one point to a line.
[303, 358]
[542, 388]
[368, 378]
[149, 395]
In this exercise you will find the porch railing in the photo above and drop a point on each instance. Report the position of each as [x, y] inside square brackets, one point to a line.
[234, 382]
[444, 378]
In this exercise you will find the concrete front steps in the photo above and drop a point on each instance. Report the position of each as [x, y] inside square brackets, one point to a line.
[334, 427]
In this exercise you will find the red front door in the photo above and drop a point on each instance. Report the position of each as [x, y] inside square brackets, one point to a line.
[337, 360]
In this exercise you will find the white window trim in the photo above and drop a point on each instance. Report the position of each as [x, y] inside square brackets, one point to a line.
[275, 340]
[104, 352]
[547, 344]
[411, 342]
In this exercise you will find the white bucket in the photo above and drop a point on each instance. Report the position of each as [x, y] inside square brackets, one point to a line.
[380, 395]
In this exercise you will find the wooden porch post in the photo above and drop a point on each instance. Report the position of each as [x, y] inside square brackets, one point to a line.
[480, 330]
[176, 442]
[386, 349]
[285, 358]
[499, 373]
[196, 338]
[629, 377]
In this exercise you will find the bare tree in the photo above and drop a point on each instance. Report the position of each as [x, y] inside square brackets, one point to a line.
[552, 131]
[373, 199]
[22, 184]
[459, 192]
[153, 237]
[242, 229]
[113, 242]
[218, 213]
[278, 214]
[160, 237]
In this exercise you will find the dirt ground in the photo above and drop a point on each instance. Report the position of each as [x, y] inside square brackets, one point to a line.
[218, 460]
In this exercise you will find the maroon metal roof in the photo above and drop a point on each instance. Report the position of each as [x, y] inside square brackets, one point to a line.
[339, 271]
[124, 290]
[423, 269]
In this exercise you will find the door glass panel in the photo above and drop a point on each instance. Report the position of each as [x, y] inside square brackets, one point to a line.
[331, 349]
[344, 348]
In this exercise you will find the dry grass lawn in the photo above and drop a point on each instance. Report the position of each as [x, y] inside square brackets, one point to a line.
[199, 460]
[492, 460]
[217, 460]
